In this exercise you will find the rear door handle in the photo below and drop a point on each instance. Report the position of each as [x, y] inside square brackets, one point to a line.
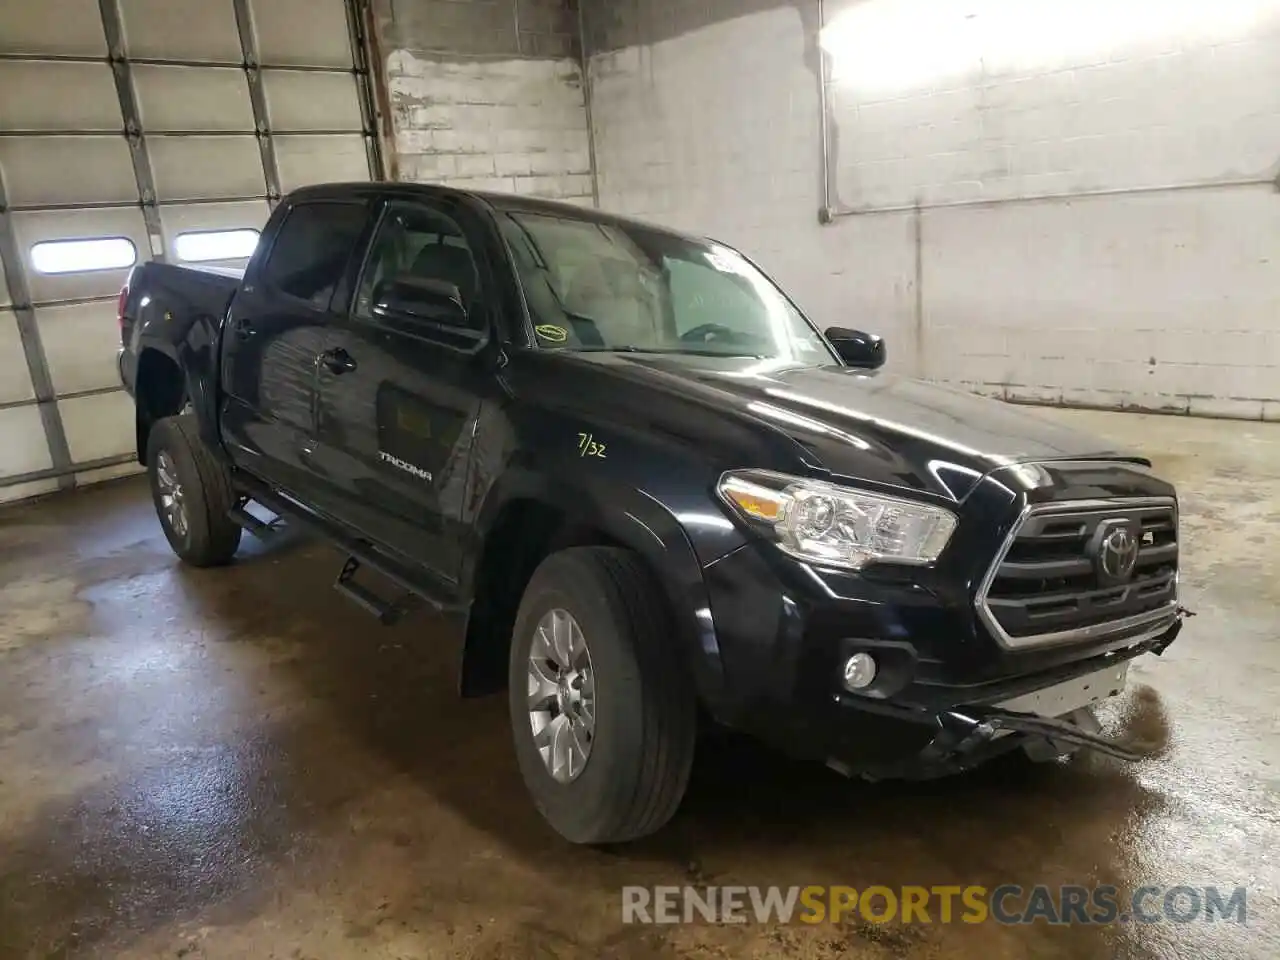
[244, 329]
[338, 361]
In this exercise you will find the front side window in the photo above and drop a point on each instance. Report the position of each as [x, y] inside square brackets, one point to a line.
[600, 286]
[418, 243]
[311, 252]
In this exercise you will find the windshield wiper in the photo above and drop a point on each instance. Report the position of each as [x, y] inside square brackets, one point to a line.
[670, 351]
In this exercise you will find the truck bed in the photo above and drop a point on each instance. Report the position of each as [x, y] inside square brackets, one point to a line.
[164, 303]
[173, 292]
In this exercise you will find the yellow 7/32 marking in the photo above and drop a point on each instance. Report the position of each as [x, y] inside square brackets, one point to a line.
[587, 447]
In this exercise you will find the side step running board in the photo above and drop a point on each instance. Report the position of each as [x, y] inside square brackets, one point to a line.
[360, 553]
[259, 528]
[387, 611]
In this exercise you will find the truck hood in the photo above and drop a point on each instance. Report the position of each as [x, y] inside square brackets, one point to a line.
[870, 424]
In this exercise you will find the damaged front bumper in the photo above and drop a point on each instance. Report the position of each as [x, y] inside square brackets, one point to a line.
[966, 736]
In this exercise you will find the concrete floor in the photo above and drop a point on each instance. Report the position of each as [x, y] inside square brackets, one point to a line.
[236, 763]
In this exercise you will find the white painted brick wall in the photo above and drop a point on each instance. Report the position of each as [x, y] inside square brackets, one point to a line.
[1161, 300]
[1166, 301]
[515, 126]
[1011, 98]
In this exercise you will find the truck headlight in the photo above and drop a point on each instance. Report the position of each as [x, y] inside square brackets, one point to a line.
[835, 525]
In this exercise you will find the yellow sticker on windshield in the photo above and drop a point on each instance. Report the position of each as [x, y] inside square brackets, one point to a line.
[551, 332]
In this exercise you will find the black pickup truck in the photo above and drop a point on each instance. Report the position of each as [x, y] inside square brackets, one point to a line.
[653, 495]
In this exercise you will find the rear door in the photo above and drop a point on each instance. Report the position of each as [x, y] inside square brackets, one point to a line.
[275, 333]
[398, 408]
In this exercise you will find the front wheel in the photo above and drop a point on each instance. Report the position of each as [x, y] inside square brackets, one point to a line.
[602, 709]
[192, 493]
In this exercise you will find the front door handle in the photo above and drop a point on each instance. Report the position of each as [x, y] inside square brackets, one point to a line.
[338, 361]
[244, 329]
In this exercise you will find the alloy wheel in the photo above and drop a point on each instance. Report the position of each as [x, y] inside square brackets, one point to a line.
[562, 695]
[172, 502]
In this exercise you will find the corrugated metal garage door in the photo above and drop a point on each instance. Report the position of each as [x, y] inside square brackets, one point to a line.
[147, 128]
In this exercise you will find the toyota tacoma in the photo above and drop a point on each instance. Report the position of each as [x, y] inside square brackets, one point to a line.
[649, 491]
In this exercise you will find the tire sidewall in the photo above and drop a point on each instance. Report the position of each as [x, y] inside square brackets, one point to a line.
[578, 809]
[162, 440]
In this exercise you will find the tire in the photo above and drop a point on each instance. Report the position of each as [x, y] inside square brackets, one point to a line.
[210, 537]
[645, 717]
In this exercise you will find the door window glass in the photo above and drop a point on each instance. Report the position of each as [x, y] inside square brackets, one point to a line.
[309, 256]
[423, 244]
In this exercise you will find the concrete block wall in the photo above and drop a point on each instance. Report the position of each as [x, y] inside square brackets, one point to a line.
[1004, 99]
[1097, 222]
[487, 94]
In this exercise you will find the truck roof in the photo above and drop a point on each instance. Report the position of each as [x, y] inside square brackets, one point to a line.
[507, 202]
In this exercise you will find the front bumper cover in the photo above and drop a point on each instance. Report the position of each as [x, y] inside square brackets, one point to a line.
[966, 736]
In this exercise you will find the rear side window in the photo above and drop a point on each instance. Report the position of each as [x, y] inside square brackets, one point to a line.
[312, 249]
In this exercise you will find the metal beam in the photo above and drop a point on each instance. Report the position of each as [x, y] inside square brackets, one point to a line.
[24, 313]
[362, 55]
[73, 395]
[584, 57]
[74, 301]
[258, 100]
[825, 212]
[86, 58]
[1191, 187]
[126, 204]
[166, 62]
[65, 475]
[328, 132]
[112, 27]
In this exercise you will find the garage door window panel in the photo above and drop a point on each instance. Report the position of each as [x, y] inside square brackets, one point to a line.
[85, 207]
[83, 255]
[201, 246]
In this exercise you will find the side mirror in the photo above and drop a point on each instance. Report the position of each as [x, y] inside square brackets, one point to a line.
[406, 297]
[857, 349]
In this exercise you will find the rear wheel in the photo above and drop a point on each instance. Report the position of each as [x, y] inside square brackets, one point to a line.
[602, 710]
[192, 493]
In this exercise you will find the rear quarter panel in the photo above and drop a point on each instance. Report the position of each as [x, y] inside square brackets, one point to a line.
[178, 311]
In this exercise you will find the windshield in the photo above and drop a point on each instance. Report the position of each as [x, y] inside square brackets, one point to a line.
[593, 286]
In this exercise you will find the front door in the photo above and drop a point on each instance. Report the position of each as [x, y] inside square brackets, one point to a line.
[277, 327]
[398, 408]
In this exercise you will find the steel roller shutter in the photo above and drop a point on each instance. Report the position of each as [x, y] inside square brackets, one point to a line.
[146, 120]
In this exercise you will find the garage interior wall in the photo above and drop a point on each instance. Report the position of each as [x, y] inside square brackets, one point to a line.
[487, 94]
[149, 128]
[1097, 222]
[1060, 202]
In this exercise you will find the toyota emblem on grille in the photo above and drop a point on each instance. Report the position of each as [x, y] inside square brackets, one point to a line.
[1117, 553]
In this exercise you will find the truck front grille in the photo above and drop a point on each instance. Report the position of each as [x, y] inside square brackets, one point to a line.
[1068, 571]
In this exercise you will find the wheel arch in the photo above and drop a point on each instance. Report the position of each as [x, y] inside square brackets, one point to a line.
[165, 384]
[526, 518]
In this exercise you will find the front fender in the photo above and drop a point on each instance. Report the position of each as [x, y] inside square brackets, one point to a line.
[638, 520]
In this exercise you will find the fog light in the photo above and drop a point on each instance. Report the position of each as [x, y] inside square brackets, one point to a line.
[859, 671]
